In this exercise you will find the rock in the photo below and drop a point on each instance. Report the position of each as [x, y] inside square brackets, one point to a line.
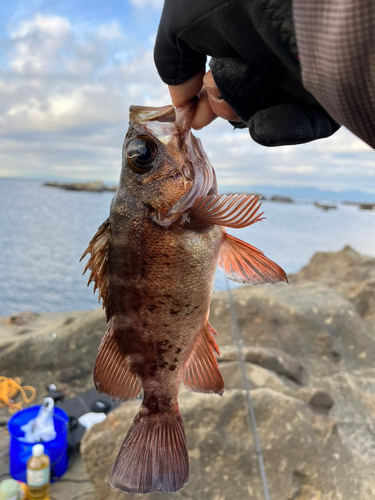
[313, 323]
[322, 401]
[256, 375]
[281, 199]
[346, 265]
[325, 206]
[97, 186]
[366, 206]
[271, 358]
[309, 351]
[23, 318]
[304, 454]
[347, 271]
[53, 352]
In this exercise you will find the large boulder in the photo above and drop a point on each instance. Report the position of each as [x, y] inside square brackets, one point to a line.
[305, 455]
[309, 352]
[349, 272]
[51, 348]
[313, 323]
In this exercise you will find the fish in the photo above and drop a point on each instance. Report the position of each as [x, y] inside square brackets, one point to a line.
[153, 261]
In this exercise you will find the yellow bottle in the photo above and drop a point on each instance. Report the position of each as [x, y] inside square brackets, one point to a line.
[38, 474]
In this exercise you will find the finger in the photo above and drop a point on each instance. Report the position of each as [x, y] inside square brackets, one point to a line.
[217, 104]
[181, 94]
[203, 113]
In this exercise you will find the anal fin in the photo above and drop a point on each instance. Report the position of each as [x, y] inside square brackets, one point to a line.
[201, 372]
[113, 374]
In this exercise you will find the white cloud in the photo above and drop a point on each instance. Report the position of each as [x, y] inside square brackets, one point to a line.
[36, 42]
[53, 26]
[110, 31]
[145, 4]
[64, 101]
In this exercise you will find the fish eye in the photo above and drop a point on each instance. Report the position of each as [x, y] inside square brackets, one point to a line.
[140, 153]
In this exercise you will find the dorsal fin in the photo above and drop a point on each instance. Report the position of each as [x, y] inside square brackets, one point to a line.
[97, 263]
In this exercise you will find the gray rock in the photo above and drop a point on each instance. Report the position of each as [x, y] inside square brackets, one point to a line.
[304, 454]
[314, 324]
[269, 357]
[346, 265]
[95, 186]
[52, 352]
[309, 352]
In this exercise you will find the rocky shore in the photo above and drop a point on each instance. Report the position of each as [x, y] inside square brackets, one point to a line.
[310, 359]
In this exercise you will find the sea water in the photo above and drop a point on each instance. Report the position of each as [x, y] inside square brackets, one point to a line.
[44, 231]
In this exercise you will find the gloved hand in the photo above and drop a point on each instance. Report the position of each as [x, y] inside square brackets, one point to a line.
[254, 64]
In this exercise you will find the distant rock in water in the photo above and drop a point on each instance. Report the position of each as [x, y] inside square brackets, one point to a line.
[97, 186]
[366, 206]
[325, 206]
[281, 199]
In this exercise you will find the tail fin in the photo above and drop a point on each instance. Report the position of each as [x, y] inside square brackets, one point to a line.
[153, 455]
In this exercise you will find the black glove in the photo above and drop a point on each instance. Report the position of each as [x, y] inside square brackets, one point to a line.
[254, 64]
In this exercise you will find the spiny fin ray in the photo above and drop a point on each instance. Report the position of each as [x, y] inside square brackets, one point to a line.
[234, 210]
[98, 261]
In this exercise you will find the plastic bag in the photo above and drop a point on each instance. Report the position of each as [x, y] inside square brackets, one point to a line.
[41, 428]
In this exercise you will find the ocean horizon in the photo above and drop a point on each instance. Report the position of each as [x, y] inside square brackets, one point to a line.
[44, 231]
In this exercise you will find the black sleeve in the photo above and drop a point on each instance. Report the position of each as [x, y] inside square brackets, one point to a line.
[254, 60]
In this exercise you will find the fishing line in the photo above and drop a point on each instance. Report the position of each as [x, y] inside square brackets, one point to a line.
[237, 336]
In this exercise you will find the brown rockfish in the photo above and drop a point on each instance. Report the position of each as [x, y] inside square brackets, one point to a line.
[153, 261]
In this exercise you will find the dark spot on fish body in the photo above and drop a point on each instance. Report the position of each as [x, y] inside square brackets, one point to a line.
[178, 350]
[152, 308]
[146, 370]
[172, 367]
[174, 311]
[157, 403]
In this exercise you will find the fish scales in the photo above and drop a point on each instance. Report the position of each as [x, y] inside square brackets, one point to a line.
[154, 263]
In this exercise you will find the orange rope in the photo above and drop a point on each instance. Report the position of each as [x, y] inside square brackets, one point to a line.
[9, 388]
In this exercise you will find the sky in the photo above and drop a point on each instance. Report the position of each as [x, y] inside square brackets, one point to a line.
[69, 70]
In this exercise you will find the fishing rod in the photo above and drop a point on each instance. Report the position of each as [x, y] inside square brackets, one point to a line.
[237, 337]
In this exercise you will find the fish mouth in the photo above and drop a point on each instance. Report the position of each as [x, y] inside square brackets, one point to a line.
[163, 122]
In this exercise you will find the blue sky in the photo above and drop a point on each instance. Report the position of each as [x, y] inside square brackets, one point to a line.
[70, 69]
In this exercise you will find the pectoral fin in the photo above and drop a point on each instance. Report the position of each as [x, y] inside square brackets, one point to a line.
[235, 210]
[97, 263]
[244, 263]
[201, 372]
